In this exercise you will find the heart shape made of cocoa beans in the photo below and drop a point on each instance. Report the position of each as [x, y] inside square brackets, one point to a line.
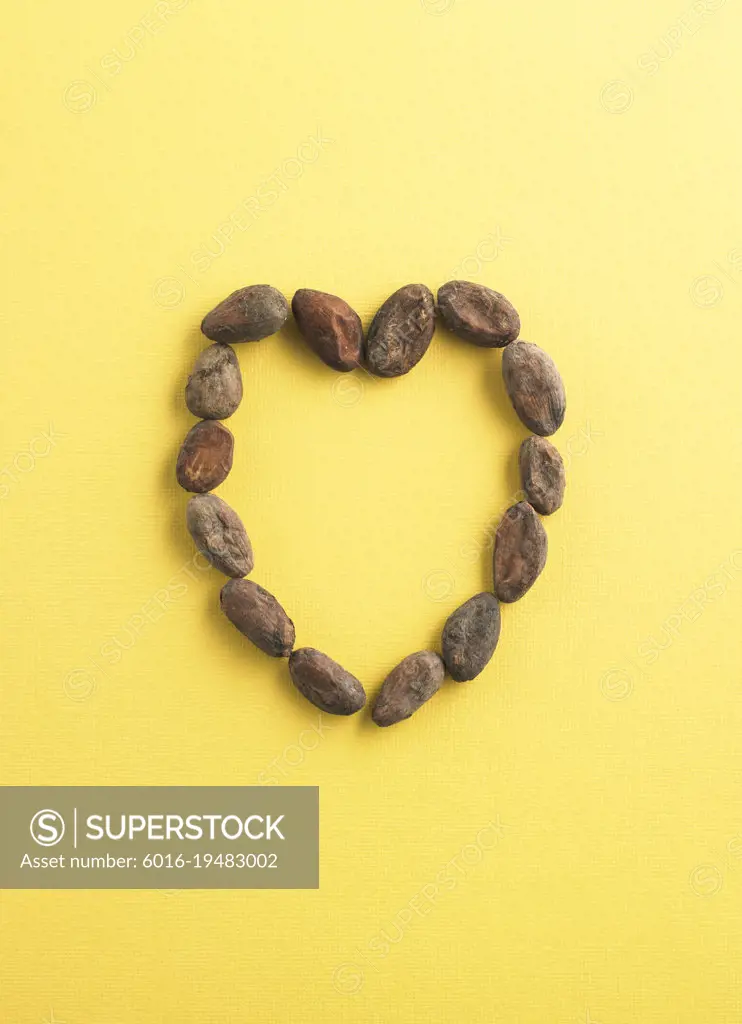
[397, 340]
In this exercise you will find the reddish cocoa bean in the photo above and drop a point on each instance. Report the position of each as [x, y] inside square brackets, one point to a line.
[542, 474]
[408, 687]
[520, 552]
[534, 386]
[470, 636]
[259, 617]
[401, 331]
[479, 314]
[220, 535]
[248, 314]
[214, 389]
[205, 457]
[325, 683]
[330, 327]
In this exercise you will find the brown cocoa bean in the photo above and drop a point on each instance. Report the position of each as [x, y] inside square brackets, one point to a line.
[259, 617]
[478, 314]
[470, 636]
[330, 327]
[325, 683]
[214, 389]
[542, 474]
[248, 314]
[220, 535]
[534, 386]
[408, 686]
[520, 552]
[205, 457]
[401, 331]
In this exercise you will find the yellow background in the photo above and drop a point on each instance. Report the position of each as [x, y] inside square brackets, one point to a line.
[582, 158]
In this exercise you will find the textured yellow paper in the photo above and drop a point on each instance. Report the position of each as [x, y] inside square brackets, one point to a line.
[558, 841]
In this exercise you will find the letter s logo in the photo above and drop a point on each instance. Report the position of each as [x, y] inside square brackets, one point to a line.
[47, 828]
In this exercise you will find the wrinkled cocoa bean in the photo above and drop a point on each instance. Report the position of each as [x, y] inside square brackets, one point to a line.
[534, 386]
[248, 314]
[470, 636]
[205, 457]
[325, 683]
[259, 617]
[401, 331]
[331, 328]
[408, 686]
[542, 474]
[479, 314]
[520, 552]
[219, 535]
[214, 389]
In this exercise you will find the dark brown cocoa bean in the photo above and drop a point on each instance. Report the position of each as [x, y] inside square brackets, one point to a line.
[205, 457]
[534, 386]
[220, 535]
[479, 314]
[470, 636]
[408, 686]
[520, 552]
[401, 331]
[248, 314]
[330, 327]
[259, 617]
[542, 474]
[214, 389]
[325, 683]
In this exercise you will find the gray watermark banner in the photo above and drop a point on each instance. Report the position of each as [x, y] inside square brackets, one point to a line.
[159, 837]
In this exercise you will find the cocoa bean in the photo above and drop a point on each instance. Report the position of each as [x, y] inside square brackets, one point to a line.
[330, 327]
[248, 314]
[205, 457]
[219, 535]
[534, 386]
[325, 683]
[520, 552]
[479, 314]
[401, 331]
[408, 686]
[470, 636]
[542, 474]
[259, 617]
[214, 389]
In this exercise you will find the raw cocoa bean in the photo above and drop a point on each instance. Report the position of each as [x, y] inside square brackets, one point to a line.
[325, 683]
[479, 314]
[542, 474]
[470, 636]
[401, 331]
[259, 617]
[520, 552]
[535, 387]
[408, 686]
[248, 314]
[219, 535]
[331, 328]
[205, 457]
[214, 389]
